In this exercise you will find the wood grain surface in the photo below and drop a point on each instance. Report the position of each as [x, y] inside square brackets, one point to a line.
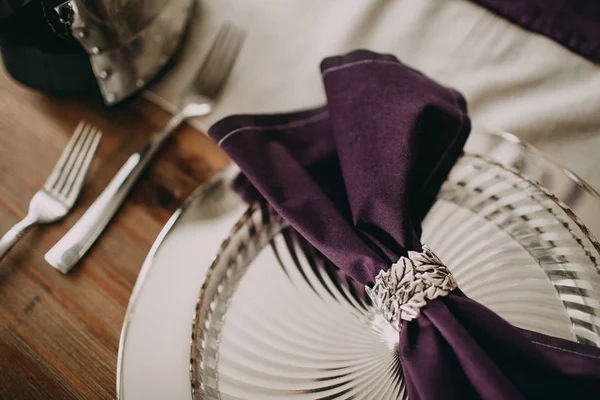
[59, 335]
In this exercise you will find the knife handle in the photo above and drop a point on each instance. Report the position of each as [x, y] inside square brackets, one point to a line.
[67, 252]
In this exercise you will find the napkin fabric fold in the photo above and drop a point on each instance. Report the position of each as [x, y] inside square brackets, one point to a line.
[355, 178]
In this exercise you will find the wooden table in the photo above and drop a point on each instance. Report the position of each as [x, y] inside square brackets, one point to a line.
[59, 335]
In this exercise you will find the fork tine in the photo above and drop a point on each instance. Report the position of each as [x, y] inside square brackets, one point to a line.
[206, 69]
[230, 54]
[82, 173]
[74, 182]
[69, 176]
[219, 61]
[209, 66]
[232, 50]
[66, 171]
[62, 161]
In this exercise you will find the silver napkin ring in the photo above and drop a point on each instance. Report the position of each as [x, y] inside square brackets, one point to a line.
[401, 291]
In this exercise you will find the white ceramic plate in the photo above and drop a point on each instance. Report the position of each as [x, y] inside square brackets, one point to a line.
[154, 353]
[276, 320]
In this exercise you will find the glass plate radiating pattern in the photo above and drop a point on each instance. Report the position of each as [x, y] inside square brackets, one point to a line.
[276, 320]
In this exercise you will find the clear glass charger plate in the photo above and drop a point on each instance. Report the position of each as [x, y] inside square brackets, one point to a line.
[276, 320]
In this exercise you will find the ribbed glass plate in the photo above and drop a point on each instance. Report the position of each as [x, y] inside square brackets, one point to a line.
[276, 320]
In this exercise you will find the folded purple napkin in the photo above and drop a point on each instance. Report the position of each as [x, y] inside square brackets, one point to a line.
[355, 178]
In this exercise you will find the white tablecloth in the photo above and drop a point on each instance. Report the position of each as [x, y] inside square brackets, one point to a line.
[514, 80]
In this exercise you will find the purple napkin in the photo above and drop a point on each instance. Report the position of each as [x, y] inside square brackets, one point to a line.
[356, 178]
[575, 24]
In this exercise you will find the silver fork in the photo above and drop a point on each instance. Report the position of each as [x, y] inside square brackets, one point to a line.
[197, 102]
[62, 187]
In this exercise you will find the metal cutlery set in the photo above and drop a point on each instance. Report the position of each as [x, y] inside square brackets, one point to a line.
[64, 185]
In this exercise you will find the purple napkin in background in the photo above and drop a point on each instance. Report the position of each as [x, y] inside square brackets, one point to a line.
[356, 178]
[575, 24]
